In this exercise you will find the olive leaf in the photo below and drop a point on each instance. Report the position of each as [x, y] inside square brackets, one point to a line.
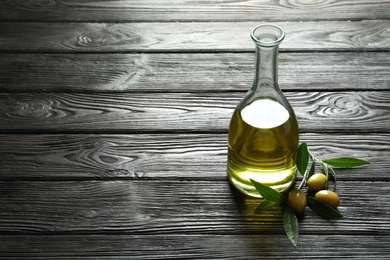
[268, 193]
[290, 223]
[322, 209]
[302, 158]
[333, 173]
[345, 162]
[265, 205]
[312, 170]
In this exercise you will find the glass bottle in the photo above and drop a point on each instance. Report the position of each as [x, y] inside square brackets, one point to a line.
[263, 133]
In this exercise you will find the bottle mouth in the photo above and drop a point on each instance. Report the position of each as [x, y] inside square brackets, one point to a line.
[267, 35]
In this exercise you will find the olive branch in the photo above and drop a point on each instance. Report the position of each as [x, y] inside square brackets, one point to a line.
[295, 202]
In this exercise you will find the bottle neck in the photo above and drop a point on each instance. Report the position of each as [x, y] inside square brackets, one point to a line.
[266, 67]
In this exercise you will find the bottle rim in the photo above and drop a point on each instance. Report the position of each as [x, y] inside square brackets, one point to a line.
[267, 35]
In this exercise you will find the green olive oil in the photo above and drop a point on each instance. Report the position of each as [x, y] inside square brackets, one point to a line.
[262, 145]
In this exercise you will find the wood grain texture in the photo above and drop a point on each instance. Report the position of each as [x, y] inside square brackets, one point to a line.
[188, 72]
[184, 246]
[114, 117]
[175, 207]
[189, 37]
[165, 156]
[182, 112]
[187, 10]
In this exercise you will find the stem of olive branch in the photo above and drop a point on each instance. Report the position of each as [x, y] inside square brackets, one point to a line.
[326, 171]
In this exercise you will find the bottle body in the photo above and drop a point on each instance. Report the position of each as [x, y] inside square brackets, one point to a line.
[265, 154]
[263, 132]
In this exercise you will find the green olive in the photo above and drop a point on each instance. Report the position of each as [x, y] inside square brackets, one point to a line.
[316, 182]
[297, 200]
[328, 197]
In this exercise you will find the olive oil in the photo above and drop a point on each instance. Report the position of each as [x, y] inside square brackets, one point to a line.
[262, 145]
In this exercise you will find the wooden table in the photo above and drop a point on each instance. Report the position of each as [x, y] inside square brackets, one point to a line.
[114, 118]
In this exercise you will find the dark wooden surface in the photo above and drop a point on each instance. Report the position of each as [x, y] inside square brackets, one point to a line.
[114, 118]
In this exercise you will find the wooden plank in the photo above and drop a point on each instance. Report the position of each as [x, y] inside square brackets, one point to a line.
[187, 10]
[189, 37]
[182, 112]
[183, 72]
[74, 157]
[175, 207]
[184, 246]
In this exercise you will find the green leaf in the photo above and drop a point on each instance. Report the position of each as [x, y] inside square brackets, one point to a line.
[302, 158]
[312, 170]
[265, 205]
[322, 209]
[326, 172]
[345, 162]
[269, 193]
[290, 223]
[333, 173]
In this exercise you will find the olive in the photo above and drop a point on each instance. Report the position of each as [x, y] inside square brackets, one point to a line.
[297, 200]
[316, 182]
[328, 197]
